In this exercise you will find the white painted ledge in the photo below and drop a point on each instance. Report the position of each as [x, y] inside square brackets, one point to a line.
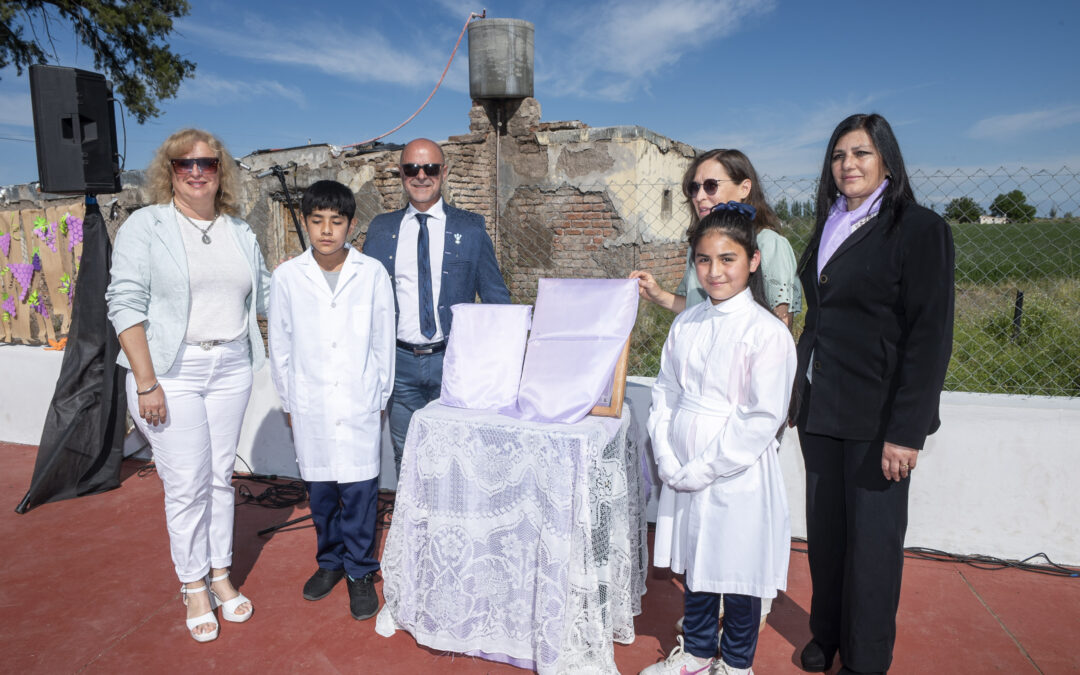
[999, 478]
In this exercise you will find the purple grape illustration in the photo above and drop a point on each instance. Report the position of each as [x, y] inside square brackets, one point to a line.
[5, 243]
[8, 305]
[50, 237]
[37, 303]
[37, 260]
[75, 232]
[23, 273]
[41, 227]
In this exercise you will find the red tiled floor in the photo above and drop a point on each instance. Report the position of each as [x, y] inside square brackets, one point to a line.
[86, 585]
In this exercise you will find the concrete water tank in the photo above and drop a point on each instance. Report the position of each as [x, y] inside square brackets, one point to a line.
[500, 58]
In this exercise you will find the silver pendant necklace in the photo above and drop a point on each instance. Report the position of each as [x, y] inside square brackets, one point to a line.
[206, 232]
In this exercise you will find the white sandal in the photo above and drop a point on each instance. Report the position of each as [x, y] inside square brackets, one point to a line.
[197, 621]
[228, 607]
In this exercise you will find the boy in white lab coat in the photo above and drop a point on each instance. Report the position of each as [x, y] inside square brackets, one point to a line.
[332, 336]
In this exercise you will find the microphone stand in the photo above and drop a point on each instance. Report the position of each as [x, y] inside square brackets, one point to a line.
[275, 528]
[279, 171]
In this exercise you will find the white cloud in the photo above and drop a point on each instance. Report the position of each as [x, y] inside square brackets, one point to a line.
[355, 54]
[1002, 127]
[784, 140]
[16, 110]
[458, 8]
[213, 90]
[613, 49]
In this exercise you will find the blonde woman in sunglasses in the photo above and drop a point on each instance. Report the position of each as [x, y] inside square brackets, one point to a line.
[717, 177]
[187, 281]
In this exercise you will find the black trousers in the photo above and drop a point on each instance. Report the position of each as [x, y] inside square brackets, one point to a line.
[855, 525]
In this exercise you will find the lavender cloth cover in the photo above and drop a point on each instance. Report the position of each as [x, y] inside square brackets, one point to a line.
[578, 331]
[482, 367]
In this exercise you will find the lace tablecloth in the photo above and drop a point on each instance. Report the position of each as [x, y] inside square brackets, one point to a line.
[518, 541]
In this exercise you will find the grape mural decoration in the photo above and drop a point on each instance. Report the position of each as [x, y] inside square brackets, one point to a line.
[74, 231]
[40, 249]
[23, 274]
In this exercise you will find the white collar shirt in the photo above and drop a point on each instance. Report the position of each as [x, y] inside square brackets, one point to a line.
[405, 273]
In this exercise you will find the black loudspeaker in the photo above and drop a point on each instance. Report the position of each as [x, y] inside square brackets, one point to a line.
[75, 131]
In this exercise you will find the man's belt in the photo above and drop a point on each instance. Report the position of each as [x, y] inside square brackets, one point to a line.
[420, 350]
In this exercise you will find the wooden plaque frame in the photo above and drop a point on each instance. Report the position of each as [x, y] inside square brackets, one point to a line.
[618, 387]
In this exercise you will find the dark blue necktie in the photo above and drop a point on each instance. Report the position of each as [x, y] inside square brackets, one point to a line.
[423, 278]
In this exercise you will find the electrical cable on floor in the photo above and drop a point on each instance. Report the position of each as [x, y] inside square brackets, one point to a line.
[985, 562]
[280, 496]
[277, 495]
[982, 562]
[978, 561]
[146, 469]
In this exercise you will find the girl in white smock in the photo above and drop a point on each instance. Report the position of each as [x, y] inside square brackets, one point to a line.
[721, 396]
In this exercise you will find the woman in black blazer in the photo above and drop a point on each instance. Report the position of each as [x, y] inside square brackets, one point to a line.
[878, 279]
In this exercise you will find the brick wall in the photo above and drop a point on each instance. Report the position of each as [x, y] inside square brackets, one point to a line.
[545, 227]
[566, 232]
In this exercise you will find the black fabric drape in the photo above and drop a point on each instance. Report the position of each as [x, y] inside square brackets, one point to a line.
[82, 443]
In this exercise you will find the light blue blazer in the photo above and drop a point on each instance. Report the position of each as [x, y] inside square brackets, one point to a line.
[149, 283]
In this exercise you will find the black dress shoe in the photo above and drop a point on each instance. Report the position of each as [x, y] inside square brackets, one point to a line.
[363, 601]
[816, 658]
[321, 583]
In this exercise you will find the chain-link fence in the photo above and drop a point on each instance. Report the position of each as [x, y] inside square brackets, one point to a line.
[1017, 236]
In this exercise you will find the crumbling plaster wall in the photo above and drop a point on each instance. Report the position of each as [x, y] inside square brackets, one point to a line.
[585, 202]
[561, 198]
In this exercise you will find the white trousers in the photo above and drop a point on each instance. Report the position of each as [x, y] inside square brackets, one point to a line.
[206, 394]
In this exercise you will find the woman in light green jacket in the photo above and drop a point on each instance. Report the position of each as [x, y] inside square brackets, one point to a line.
[187, 280]
[716, 177]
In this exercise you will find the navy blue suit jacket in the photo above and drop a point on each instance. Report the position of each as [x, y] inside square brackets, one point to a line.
[469, 266]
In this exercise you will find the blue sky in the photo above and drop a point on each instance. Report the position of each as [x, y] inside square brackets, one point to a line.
[965, 83]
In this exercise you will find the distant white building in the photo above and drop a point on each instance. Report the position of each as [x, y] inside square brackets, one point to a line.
[993, 220]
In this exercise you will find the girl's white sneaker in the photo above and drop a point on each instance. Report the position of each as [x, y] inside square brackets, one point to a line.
[721, 668]
[680, 662]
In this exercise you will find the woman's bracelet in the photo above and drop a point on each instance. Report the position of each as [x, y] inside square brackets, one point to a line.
[156, 385]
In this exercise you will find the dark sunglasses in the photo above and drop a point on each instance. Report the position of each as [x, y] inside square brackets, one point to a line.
[413, 170]
[711, 185]
[188, 164]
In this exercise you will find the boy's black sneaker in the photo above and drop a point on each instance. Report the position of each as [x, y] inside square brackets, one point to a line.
[363, 601]
[321, 583]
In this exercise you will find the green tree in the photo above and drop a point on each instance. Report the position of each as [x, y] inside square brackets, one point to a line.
[129, 41]
[963, 210]
[1013, 205]
[782, 210]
